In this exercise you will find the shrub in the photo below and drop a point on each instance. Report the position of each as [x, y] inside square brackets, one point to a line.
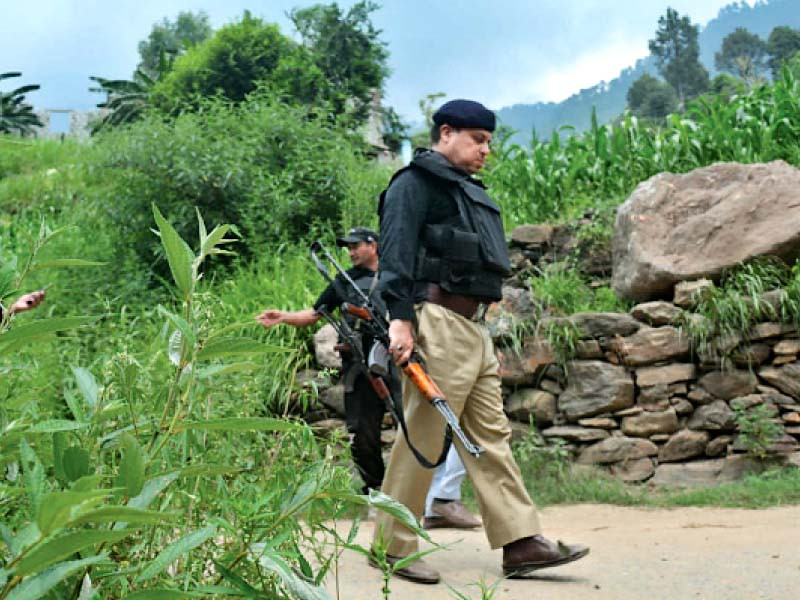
[274, 171]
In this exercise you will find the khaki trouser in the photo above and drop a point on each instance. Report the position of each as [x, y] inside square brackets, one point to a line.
[460, 357]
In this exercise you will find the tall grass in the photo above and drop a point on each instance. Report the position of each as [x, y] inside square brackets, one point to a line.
[561, 177]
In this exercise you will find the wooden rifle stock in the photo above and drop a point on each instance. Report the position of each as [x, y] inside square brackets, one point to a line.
[357, 311]
[420, 378]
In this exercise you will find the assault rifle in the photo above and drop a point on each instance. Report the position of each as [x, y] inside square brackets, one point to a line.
[376, 362]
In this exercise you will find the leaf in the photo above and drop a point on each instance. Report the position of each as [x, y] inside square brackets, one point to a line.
[35, 588]
[64, 546]
[228, 346]
[179, 255]
[151, 489]
[239, 424]
[66, 262]
[54, 425]
[109, 514]
[75, 462]
[15, 338]
[161, 594]
[297, 586]
[87, 385]
[181, 324]
[59, 445]
[175, 550]
[226, 369]
[197, 470]
[56, 508]
[131, 467]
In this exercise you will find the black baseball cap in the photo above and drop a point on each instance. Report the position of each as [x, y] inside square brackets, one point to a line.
[356, 235]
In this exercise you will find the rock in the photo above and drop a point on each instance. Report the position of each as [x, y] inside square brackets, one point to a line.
[324, 341]
[651, 345]
[763, 331]
[588, 349]
[616, 449]
[746, 402]
[784, 359]
[790, 346]
[775, 396]
[612, 358]
[792, 418]
[598, 422]
[518, 260]
[715, 416]
[633, 471]
[503, 317]
[718, 446]
[513, 371]
[682, 227]
[649, 423]
[629, 412]
[737, 467]
[333, 398]
[729, 384]
[785, 378]
[548, 385]
[595, 387]
[659, 438]
[527, 402]
[682, 445]
[751, 355]
[648, 376]
[654, 406]
[794, 459]
[656, 313]
[696, 473]
[599, 325]
[327, 426]
[575, 434]
[388, 436]
[699, 396]
[653, 393]
[678, 389]
[682, 406]
[529, 235]
[688, 293]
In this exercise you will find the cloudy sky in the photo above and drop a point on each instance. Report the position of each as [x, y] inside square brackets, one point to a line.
[503, 52]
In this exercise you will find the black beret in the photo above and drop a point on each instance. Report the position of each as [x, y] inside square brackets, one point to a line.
[466, 114]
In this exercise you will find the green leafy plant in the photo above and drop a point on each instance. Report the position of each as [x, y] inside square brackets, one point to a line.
[757, 430]
[16, 115]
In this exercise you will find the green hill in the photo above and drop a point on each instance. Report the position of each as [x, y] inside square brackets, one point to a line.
[608, 98]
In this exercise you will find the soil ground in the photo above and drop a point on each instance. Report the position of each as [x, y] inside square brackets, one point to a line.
[652, 554]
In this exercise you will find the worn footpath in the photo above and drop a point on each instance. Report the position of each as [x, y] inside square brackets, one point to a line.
[653, 554]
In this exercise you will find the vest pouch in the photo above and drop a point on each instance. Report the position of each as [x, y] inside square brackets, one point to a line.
[437, 238]
[465, 248]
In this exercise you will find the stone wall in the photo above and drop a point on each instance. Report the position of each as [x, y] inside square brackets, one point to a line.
[639, 401]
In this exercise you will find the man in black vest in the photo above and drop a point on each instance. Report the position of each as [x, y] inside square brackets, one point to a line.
[443, 259]
[363, 408]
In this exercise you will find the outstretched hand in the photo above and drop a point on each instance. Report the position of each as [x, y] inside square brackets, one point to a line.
[27, 301]
[270, 317]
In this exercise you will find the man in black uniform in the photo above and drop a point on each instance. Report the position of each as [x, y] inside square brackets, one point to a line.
[363, 409]
[443, 259]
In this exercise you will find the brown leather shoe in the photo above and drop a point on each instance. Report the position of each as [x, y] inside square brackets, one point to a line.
[537, 552]
[418, 571]
[451, 514]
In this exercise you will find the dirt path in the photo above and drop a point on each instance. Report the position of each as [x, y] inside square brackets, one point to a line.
[641, 554]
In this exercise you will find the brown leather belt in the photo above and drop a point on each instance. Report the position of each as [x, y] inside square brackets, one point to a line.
[468, 307]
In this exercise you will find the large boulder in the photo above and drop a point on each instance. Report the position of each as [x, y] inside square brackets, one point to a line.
[680, 227]
[324, 342]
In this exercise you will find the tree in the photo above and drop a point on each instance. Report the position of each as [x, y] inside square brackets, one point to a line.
[16, 115]
[677, 52]
[171, 39]
[422, 138]
[347, 49]
[126, 100]
[742, 54]
[651, 98]
[235, 61]
[727, 86]
[783, 43]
